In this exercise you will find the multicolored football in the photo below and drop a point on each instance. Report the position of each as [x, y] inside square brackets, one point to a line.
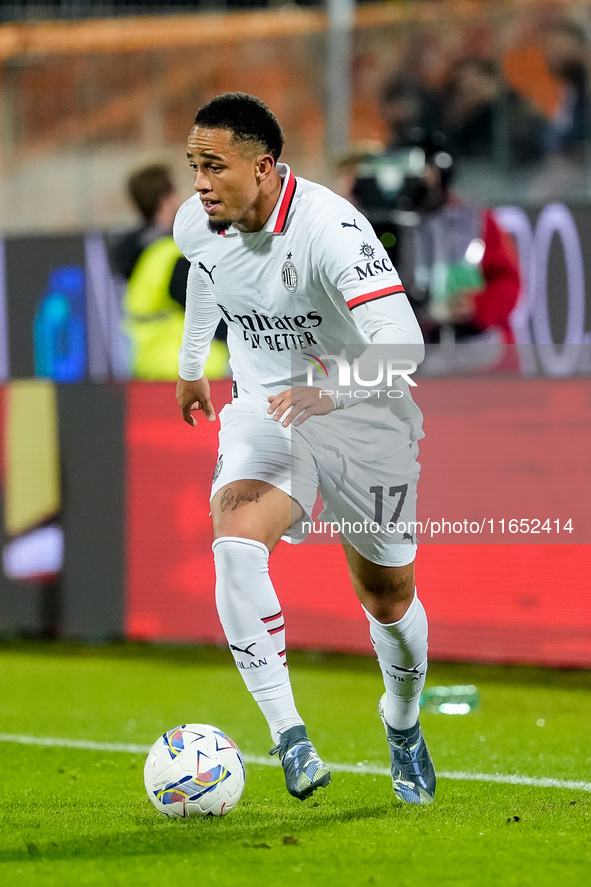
[194, 770]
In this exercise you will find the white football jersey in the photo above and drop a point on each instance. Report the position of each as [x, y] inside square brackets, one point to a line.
[313, 277]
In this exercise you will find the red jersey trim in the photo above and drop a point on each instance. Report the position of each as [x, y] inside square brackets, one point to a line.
[377, 294]
[285, 205]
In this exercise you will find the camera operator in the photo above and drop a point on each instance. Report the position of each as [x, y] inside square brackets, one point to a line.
[458, 266]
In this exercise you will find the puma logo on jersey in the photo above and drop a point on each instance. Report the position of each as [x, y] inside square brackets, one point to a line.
[350, 225]
[209, 273]
[246, 649]
[415, 670]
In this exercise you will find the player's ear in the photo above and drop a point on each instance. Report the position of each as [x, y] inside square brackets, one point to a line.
[264, 167]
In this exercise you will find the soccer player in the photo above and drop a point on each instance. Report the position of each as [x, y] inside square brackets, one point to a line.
[294, 268]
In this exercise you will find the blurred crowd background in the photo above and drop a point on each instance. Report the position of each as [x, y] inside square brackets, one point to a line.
[89, 91]
[463, 129]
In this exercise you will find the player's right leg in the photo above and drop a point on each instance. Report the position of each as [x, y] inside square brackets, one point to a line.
[249, 518]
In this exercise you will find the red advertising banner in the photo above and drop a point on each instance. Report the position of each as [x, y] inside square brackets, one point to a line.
[510, 457]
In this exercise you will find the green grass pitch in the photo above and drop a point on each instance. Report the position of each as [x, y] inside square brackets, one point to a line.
[73, 816]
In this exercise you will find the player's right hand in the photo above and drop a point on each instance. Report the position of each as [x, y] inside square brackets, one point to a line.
[192, 396]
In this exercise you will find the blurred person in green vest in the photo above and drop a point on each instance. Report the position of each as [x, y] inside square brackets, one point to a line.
[156, 274]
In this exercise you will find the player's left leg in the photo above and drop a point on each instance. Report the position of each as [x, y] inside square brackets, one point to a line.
[398, 630]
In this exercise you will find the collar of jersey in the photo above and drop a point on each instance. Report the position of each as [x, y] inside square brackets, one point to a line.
[277, 221]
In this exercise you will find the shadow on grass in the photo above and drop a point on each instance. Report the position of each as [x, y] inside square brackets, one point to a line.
[257, 826]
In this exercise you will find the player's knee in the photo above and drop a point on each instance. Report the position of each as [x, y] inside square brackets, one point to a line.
[387, 611]
[389, 599]
[238, 560]
[234, 552]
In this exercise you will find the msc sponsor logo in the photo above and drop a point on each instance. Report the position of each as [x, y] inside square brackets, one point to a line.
[371, 269]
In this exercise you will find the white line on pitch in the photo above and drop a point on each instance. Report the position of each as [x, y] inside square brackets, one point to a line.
[368, 769]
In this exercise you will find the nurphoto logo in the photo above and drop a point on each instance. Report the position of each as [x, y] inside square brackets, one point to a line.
[384, 373]
[388, 370]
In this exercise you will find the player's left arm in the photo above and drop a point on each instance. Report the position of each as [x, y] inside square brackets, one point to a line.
[378, 305]
[371, 292]
[391, 321]
[356, 263]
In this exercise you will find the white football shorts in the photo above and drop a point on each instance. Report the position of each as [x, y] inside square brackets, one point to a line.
[368, 493]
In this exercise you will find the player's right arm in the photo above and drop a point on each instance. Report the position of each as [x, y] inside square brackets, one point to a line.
[202, 316]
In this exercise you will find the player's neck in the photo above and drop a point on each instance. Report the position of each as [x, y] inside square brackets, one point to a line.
[264, 205]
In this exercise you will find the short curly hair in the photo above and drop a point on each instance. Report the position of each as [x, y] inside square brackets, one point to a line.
[247, 117]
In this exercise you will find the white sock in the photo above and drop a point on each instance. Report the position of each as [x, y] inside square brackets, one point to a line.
[401, 648]
[253, 623]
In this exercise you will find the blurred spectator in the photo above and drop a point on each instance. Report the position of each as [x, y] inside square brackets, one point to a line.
[156, 274]
[153, 194]
[565, 53]
[346, 166]
[459, 269]
[404, 105]
[484, 118]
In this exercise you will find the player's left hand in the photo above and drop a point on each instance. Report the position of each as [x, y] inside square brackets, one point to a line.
[295, 405]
